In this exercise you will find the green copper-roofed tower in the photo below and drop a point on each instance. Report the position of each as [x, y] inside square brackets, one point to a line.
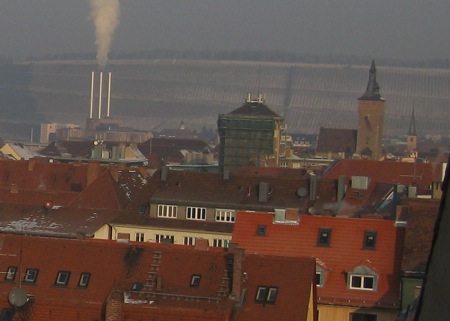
[249, 135]
[370, 119]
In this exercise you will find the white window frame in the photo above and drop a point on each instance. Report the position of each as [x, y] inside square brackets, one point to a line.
[139, 237]
[31, 275]
[320, 272]
[224, 215]
[266, 294]
[160, 237]
[362, 277]
[196, 213]
[188, 240]
[84, 280]
[220, 243]
[167, 211]
[63, 278]
[11, 273]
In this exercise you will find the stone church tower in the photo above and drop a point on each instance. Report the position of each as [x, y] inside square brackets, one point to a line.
[370, 119]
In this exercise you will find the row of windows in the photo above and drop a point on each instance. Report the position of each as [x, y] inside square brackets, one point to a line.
[62, 278]
[187, 240]
[369, 240]
[196, 213]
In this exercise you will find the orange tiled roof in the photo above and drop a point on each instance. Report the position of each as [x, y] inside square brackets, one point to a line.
[344, 253]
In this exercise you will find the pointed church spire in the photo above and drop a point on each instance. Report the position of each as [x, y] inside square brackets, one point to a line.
[373, 89]
[412, 125]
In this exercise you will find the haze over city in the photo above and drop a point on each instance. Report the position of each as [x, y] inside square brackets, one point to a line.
[412, 29]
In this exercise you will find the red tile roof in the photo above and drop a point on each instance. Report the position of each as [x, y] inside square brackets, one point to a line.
[36, 182]
[419, 174]
[164, 272]
[345, 253]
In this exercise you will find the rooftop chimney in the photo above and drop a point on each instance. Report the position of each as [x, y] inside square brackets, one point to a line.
[238, 261]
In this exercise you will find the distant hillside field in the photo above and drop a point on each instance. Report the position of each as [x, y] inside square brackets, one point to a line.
[156, 94]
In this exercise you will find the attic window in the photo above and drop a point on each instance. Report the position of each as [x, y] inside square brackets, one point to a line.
[261, 230]
[195, 280]
[84, 280]
[323, 239]
[370, 238]
[11, 273]
[320, 277]
[31, 275]
[266, 294]
[362, 278]
[62, 278]
[362, 282]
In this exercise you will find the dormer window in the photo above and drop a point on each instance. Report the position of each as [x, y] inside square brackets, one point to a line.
[370, 238]
[266, 294]
[320, 276]
[195, 213]
[323, 239]
[362, 278]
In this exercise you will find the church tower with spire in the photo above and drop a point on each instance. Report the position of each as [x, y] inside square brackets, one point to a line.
[370, 119]
[411, 138]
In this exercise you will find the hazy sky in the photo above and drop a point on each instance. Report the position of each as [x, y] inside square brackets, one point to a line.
[412, 29]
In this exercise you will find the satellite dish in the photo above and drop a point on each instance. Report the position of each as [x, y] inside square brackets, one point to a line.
[96, 142]
[17, 297]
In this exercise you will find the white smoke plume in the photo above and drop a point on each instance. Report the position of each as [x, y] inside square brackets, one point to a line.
[105, 15]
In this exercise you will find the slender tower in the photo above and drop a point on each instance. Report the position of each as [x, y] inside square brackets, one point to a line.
[370, 119]
[411, 138]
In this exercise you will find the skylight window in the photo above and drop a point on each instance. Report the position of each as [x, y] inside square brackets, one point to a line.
[62, 278]
[31, 275]
[370, 238]
[84, 280]
[195, 280]
[11, 273]
[266, 294]
[261, 230]
[324, 237]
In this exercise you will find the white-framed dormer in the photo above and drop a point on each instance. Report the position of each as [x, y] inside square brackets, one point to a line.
[362, 278]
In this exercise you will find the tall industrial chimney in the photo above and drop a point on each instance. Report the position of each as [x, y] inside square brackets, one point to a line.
[92, 94]
[109, 95]
[100, 97]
